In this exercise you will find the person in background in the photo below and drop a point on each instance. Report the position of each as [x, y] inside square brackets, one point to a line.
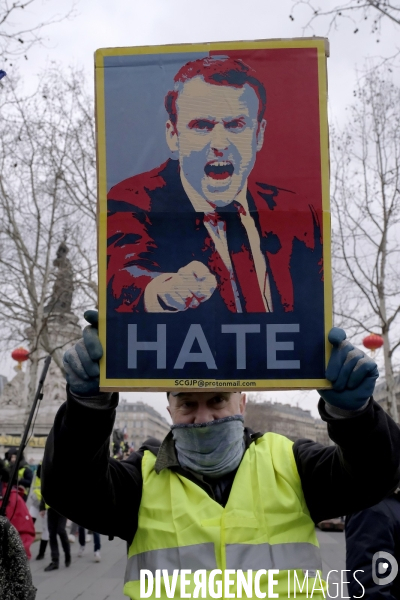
[73, 531]
[83, 538]
[17, 511]
[117, 445]
[34, 503]
[25, 474]
[57, 527]
[368, 532]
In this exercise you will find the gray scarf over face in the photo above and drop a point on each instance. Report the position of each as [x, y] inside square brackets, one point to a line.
[212, 449]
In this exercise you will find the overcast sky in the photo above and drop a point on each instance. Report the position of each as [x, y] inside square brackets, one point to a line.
[102, 24]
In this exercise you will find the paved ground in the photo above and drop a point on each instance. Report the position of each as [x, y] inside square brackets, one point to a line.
[87, 580]
[84, 579]
[333, 550]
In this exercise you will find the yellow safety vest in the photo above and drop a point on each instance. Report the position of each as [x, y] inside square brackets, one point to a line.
[264, 525]
[21, 473]
[37, 488]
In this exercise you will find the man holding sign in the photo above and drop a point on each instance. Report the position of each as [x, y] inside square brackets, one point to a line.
[215, 497]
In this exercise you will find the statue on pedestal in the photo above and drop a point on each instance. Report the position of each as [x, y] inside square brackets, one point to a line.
[61, 297]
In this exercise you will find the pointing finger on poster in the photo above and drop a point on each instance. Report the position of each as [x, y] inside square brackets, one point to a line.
[201, 281]
[188, 288]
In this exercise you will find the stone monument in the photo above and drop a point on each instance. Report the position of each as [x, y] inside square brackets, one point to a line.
[60, 332]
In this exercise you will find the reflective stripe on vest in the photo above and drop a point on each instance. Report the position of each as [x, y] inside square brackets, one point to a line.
[264, 525]
[238, 556]
[290, 556]
[198, 556]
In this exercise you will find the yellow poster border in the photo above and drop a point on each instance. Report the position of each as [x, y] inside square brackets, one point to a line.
[322, 47]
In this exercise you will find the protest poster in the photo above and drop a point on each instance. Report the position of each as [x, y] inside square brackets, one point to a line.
[214, 221]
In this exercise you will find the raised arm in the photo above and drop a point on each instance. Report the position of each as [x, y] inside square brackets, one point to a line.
[79, 479]
[364, 464]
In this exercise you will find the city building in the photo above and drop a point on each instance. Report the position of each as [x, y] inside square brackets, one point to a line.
[321, 433]
[140, 421]
[290, 421]
[381, 395]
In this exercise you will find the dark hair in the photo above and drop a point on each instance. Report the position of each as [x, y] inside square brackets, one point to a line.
[217, 70]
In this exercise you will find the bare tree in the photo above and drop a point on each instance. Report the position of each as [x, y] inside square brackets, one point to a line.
[70, 130]
[366, 208]
[373, 11]
[16, 38]
[260, 415]
[44, 143]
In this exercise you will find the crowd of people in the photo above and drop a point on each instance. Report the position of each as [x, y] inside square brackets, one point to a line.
[27, 511]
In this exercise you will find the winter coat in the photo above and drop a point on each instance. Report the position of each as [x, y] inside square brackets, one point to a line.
[15, 575]
[336, 480]
[18, 513]
[376, 529]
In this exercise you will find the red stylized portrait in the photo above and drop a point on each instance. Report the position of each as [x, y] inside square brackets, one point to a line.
[229, 238]
[214, 205]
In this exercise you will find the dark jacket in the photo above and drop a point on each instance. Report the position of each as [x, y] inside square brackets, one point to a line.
[375, 529]
[105, 494]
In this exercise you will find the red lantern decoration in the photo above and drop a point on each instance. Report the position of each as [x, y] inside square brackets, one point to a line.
[373, 341]
[20, 355]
